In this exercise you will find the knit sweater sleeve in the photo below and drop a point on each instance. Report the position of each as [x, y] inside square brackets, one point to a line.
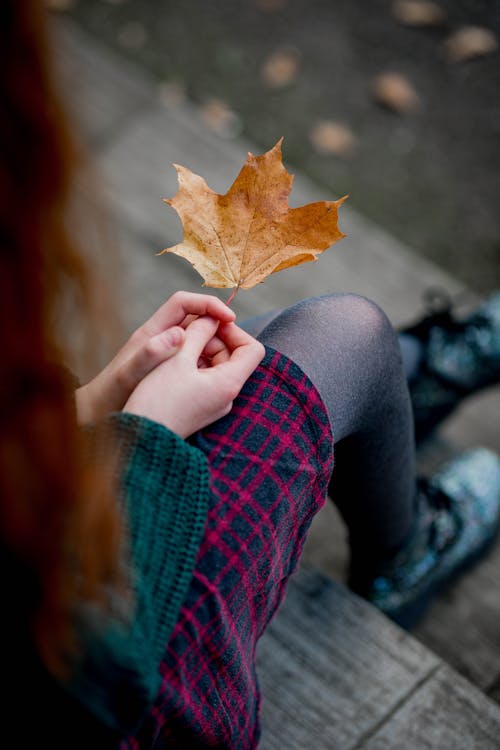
[164, 488]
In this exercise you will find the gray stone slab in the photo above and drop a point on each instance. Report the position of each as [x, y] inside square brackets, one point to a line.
[148, 280]
[332, 668]
[446, 712]
[102, 94]
[463, 624]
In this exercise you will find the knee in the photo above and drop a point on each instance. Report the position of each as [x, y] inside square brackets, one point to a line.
[374, 336]
[343, 326]
[366, 316]
[360, 316]
[361, 325]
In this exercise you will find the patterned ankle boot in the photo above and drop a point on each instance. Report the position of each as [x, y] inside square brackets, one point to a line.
[456, 521]
[460, 357]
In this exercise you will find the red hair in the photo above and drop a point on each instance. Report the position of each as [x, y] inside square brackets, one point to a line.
[56, 519]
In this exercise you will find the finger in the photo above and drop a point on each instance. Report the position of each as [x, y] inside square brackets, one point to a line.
[233, 336]
[203, 363]
[198, 335]
[246, 353]
[224, 355]
[216, 352]
[187, 320]
[182, 304]
[152, 353]
[214, 347]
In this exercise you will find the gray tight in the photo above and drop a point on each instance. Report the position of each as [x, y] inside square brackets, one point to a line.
[348, 348]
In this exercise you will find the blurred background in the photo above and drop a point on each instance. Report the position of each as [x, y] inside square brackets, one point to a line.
[395, 103]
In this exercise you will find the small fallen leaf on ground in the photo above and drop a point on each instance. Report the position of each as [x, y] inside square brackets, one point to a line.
[220, 118]
[281, 68]
[329, 137]
[418, 13]
[236, 240]
[470, 42]
[395, 91]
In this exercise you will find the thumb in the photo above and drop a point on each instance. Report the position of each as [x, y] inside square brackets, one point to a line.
[198, 334]
[153, 352]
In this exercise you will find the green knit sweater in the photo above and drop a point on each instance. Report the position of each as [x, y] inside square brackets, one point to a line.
[164, 489]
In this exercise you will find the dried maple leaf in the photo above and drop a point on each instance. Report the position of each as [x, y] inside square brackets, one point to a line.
[236, 240]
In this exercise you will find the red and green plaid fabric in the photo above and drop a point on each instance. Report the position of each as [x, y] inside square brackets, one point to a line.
[270, 463]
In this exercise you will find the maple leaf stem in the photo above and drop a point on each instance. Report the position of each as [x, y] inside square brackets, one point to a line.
[233, 295]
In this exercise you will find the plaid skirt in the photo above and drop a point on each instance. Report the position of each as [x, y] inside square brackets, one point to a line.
[270, 462]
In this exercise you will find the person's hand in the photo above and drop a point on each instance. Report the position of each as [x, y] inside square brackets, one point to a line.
[158, 339]
[197, 385]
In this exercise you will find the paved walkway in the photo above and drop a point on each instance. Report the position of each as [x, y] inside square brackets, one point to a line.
[134, 139]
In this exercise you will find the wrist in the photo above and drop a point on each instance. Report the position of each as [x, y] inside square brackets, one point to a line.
[140, 408]
[85, 409]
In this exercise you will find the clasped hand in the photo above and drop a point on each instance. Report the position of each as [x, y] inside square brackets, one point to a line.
[182, 368]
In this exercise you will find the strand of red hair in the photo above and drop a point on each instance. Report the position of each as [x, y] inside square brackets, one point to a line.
[57, 518]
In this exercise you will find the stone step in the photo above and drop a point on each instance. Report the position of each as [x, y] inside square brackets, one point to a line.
[337, 675]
